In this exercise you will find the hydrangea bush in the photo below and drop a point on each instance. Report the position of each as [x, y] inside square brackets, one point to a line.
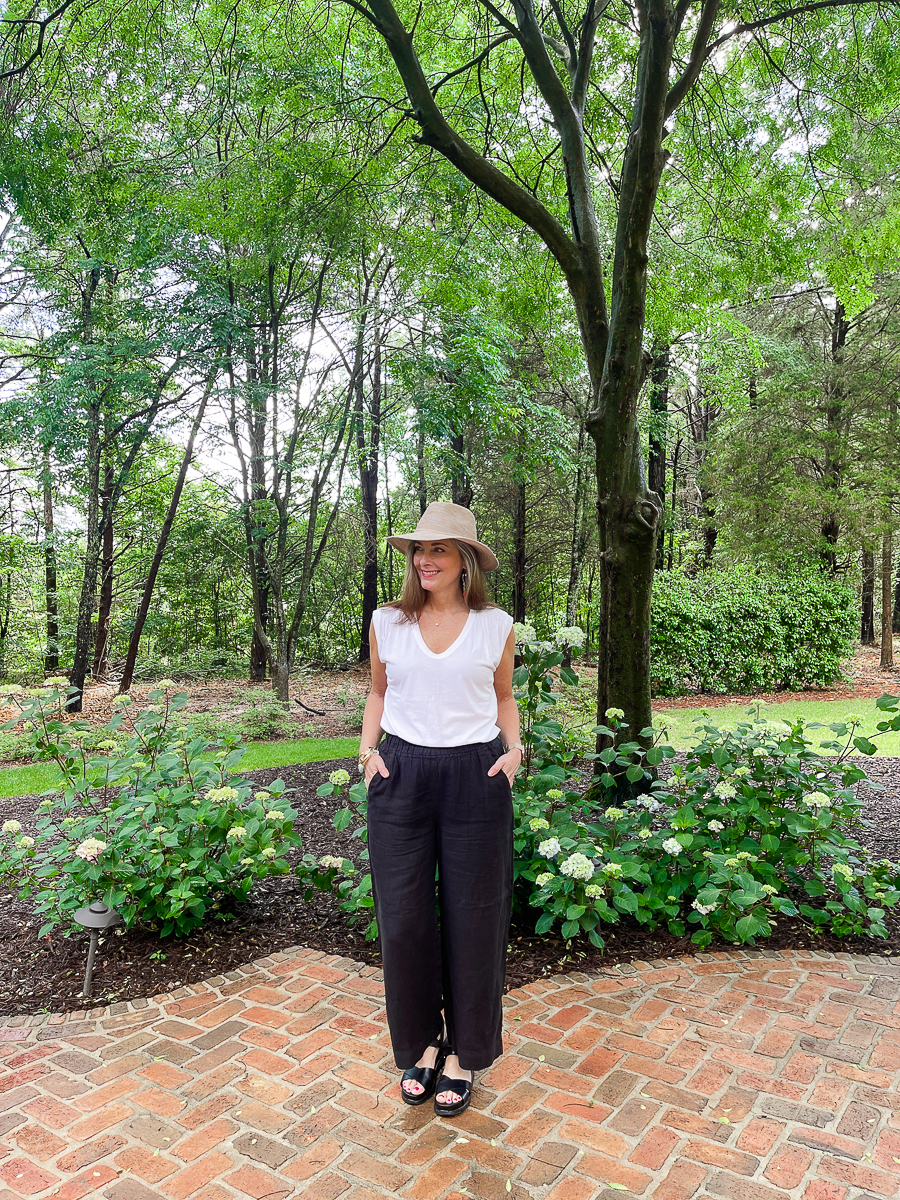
[150, 817]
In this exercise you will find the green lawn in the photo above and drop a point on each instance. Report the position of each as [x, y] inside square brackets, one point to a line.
[681, 721]
[23, 781]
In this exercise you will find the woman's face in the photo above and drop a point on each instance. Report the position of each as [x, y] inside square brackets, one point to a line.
[439, 566]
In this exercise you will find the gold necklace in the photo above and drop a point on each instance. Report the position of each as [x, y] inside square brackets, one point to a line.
[455, 613]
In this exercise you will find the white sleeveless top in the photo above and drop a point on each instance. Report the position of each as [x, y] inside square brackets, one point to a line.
[443, 699]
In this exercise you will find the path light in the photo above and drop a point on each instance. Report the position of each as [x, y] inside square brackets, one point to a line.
[95, 917]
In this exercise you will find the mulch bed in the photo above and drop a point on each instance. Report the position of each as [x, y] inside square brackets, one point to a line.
[46, 975]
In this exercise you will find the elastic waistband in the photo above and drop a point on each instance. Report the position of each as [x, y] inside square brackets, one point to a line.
[397, 745]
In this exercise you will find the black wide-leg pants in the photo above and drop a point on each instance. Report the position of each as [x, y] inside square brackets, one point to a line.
[439, 808]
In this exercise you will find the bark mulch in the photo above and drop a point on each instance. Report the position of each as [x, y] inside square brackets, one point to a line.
[46, 975]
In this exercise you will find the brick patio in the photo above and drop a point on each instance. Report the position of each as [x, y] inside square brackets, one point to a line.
[748, 1076]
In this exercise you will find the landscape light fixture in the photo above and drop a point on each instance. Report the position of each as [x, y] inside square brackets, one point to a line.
[96, 917]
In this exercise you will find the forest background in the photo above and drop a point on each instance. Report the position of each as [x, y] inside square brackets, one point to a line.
[255, 315]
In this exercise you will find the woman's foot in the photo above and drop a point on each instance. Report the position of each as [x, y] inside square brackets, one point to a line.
[454, 1071]
[411, 1086]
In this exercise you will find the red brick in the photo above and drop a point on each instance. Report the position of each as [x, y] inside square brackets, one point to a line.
[759, 1136]
[164, 1104]
[820, 1190]
[715, 1155]
[873, 1180]
[654, 1148]
[204, 1139]
[25, 1178]
[598, 1063]
[788, 1166]
[573, 1189]
[777, 1043]
[201, 1172]
[315, 1159]
[92, 1151]
[38, 1143]
[681, 1183]
[258, 1184]
[604, 1140]
[85, 1184]
[146, 1164]
[608, 1170]
[435, 1179]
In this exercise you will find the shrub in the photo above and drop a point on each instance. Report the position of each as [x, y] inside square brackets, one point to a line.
[741, 630]
[145, 821]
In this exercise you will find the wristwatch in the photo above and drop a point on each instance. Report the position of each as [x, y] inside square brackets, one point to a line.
[364, 757]
[515, 746]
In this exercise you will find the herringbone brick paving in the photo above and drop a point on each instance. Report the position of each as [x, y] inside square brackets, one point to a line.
[740, 1076]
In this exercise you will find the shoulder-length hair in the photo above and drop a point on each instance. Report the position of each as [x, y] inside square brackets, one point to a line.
[413, 595]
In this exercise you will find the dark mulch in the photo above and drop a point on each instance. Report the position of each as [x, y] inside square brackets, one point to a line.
[46, 976]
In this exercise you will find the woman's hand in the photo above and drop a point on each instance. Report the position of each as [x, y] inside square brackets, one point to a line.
[374, 766]
[508, 763]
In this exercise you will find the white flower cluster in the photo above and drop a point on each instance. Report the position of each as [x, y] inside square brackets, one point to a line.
[760, 752]
[742, 771]
[339, 778]
[613, 814]
[716, 826]
[57, 681]
[644, 834]
[165, 684]
[725, 790]
[554, 794]
[90, 849]
[817, 800]
[593, 891]
[269, 852]
[223, 795]
[577, 866]
[122, 699]
[704, 909]
[24, 843]
[236, 833]
[538, 823]
[843, 870]
[10, 689]
[615, 714]
[274, 814]
[549, 848]
[672, 846]
[569, 635]
[262, 797]
[769, 889]
[853, 719]
[331, 861]
[12, 827]
[611, 869]
[544, 878]
[524, 633]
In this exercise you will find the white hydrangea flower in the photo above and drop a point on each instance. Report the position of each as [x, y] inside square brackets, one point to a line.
[615, 714]
[746, 856]
[274, 814]
[236, 833]
[12, 827]
[843, 870]
[90, 849]
[223, 795]
[613, 814]
[262, 797]
[577, 866]
[331, 861]
[57, 681]
[538, 823]
[742, 771]
[760, 752]
[554, 794]
[569, 635]
[817, 800]
[716, 826]
[75, 735]
[269, 852]
[853, 719]
[246, 862]
[704, 909]
[165, 684]
[643, 834]
[107, 746]
[769, 890]
[524, 633]
[10, 689]
[122, 699]
[544, 878]
[612, 869]
[158, 829]
[672, 846]
[725, 790]
[549, 848]
[24, 843]
[732, 862]
[339, 778]
[593, 891]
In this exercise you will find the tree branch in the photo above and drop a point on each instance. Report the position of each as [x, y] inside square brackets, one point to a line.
[786, 14]
[697, 57]
[22, 23]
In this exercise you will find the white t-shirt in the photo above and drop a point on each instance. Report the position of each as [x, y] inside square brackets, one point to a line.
[443, 699]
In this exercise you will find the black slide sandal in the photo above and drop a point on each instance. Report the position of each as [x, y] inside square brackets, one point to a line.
[460, 1087]
[426, 1076]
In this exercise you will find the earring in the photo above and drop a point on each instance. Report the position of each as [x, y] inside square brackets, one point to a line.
[464, 580]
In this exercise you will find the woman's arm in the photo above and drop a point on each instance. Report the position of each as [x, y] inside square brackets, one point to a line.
[371, 726]
[507, 712]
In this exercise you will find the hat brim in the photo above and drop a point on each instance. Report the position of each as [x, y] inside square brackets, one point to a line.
[486, 556]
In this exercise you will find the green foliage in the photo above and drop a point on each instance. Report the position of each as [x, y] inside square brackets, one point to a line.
[735, 629]
[162, 834]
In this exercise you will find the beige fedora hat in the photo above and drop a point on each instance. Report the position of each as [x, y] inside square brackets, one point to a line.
[441, 521]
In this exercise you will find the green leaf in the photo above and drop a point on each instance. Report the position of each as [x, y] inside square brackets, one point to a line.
[544, 922]
[634, 773]
[864, 745]
[746, 927]
[570, 928]
[574, 911]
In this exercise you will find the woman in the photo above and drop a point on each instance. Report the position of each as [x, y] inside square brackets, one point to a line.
[439, 798]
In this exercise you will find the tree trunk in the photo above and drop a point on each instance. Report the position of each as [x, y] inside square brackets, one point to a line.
[835, 420]
[659, 416]
[51, 652]
[87, 598]
[420, 469]
[895, 624]
[259, 655]
[104, 608]
[163, 540]
[580, 538]
[368, 458]
[461, 490]
[867, 626]
[887, 588]
[519, 552]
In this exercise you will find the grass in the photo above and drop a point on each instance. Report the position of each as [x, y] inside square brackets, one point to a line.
[681, 721]
[25, 781]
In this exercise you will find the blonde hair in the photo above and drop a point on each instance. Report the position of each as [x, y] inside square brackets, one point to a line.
[413, 595]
